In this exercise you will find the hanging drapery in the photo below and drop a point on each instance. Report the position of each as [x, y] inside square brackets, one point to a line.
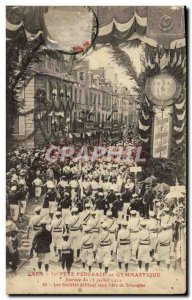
[147, 24]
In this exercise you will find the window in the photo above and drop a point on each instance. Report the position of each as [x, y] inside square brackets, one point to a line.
[81, 76]
[99, 99]
[75, 94]
[80, 95]
[70, 92]
[16, 126]
[49, 124]
[95, 99]
[86, 97]
[65, 90]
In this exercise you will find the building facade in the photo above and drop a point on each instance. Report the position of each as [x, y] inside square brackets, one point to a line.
[59, 103]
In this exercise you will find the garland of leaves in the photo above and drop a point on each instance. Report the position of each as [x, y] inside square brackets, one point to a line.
[165, 170]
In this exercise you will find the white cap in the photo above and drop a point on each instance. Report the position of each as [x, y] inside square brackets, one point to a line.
[87, 205]
[22, 181]
[118, 194]
[100, 194]
[143, 223]
[134, 195]
[104, 225]
[151, 213]
[109, 213]
[58, 213]
[74, 209]
[180, 205]
[133, 212]
[13, 188]
[166, 209]
[38, 208]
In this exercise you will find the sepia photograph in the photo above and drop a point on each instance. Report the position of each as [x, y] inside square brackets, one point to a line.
[96, 150]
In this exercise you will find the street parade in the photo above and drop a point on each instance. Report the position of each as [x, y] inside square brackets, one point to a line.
[96, 150]
[90, 214]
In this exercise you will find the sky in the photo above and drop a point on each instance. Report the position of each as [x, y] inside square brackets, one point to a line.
[103, 58]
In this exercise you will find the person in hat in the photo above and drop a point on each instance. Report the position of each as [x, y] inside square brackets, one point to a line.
[23, 196]
[110, 198]
[163, 246]
[75, 187]
[75, 228]
[37, 184]
[95, 184]
[112, 228]
[57, 229]
[100, 205]
[126, 198]
[153, 225]
[147, 200]
[85, 214]
[14, 202]
[34, 223]
[114, 186]
[49, 172]
[12, 253]
[123, 247]
[168, 219]
[144, 248]
[50, 200]
[117, 206]
[87, 248]
[130, 184]
[134, 226]
[65, 204]
[94, 225]
[41, 245]
[61, 186]
[104, 248]
[158, 210]
[86, 186]
[134, 203]
[67, 172]
[67, 253]
[105, 184]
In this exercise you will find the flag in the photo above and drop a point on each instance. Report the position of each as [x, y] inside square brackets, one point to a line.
[164, 61]
[92, 108]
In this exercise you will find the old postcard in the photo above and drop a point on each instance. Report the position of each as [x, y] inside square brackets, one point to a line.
[96, 150]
